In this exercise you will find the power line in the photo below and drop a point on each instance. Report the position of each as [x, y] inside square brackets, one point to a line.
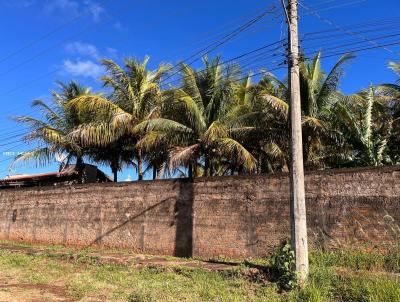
[351, 43]
[60, 43]
[339, 6]
[219, 34]
[13, 136]
[28, 83]
[206, 50]
[323, 3]
[332, 54]
[349, 32]
[46, 35]
[376, 22]
[265, 48]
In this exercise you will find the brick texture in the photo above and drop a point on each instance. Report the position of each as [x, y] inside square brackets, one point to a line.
[238, 216]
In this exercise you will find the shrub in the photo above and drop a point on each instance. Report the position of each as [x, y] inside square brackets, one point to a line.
[282, 267]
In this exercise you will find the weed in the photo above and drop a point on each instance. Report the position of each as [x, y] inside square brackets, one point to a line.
[282, 267]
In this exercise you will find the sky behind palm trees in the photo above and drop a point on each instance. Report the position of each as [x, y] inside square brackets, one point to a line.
[50, 40]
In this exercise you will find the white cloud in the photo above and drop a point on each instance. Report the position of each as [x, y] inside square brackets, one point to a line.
[85, 68]
[95, 10]
[63, 8]
[83, 49]
[118, 25]
[69, 6]
[74, 8]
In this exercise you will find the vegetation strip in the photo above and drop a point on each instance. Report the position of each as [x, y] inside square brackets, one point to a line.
[335, 277]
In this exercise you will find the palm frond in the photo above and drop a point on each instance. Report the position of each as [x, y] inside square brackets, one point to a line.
[332, 80]
[182, 156]
[235, 151]
[276, 103]
[40, 156]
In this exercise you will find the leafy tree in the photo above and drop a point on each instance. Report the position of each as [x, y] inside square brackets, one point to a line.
[51, 134]
[367, 127]
[192, 122]
[322, 139]
[260, 128]
[392, 93]
[134, 94]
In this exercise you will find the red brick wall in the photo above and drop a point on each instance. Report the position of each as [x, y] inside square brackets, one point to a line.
[237, 216]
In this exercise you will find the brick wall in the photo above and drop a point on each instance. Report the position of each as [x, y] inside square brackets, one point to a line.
[237, 216]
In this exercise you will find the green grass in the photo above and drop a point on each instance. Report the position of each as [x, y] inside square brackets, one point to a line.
[389, 262]
[335, 277]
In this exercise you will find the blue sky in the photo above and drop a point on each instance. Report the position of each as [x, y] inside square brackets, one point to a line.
[49, 40]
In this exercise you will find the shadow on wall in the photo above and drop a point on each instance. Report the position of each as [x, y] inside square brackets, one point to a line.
[182, 220]
[183, 214]
[99, 238]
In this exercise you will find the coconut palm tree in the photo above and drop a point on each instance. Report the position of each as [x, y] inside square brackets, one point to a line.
[319, 103]
[261, 129]
[51, 134]
[134, 94]
[192, 122]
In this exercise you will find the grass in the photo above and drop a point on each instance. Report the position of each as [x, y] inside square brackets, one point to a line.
[335, 277]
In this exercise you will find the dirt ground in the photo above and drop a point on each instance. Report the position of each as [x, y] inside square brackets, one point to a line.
[12, 290]
[38, 273]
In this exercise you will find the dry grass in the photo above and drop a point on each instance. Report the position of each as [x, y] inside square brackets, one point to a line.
[335, 277]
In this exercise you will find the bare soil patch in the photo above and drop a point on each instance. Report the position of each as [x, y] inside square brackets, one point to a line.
[33, 293]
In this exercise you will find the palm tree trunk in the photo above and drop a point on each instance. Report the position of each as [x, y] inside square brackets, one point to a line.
[190, 171]
[154, 172]
[115, 174]
[79, 168]
[114, 168]
[140, 166]
[207, 166]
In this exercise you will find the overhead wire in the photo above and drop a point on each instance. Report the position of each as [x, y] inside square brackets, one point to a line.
[164, 79]
[264, 48]
[349, 32]
[347, 3]
[209, 48]
[28, 83]
[49, 33]
[58, 44]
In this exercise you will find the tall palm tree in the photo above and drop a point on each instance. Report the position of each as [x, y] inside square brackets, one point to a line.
[116, 155]
[319, 104]
[262, 130]
[192, 122]
[134, 94]
[51, 134]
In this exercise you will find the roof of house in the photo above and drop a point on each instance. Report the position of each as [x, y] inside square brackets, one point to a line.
[41, 176]
[70, 173]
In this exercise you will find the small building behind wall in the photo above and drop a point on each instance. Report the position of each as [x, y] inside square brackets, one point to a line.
[69, 175]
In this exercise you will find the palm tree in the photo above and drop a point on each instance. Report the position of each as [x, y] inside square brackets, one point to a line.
[117, 154]
[51, 134]
[192, 122]
[368, 127]
[135, 93]
[261, 129]
[392, 91]
[319, 103]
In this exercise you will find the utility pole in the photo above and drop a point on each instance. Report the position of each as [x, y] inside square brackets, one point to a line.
[298, 223]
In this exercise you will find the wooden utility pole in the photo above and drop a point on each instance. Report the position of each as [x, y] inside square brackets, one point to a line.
[298, 223]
